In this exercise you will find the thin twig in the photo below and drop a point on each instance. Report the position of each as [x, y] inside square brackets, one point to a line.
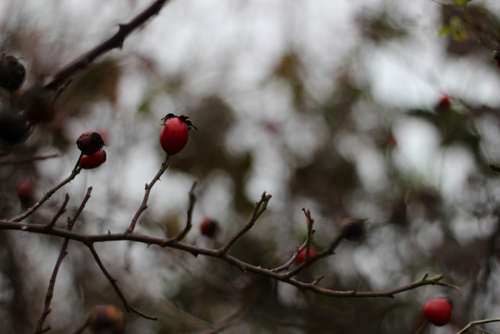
[114, 42]
[28, 159]
[76, 170]
[115, 285]
[147, 190]
[477, 323]
[259, 209]
[192, 202]
[59, 213]
[62, 254]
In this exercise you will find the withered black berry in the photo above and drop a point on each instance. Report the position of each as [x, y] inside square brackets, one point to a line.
[90, 142]
[12, 73]
[353, 229]
[14, 127]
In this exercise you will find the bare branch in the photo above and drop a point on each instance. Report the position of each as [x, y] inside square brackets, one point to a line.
[76, 170]
[115, 41]
[192, 202]
[477, 323]
[62, 254]
[148, 187]
[115, 285]
[28, 159]
[59, 213]
[259, 209]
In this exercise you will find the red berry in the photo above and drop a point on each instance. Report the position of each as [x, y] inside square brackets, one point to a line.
[209, 227]
[90, 142]
[444, 103]
[174, 133]
[90, 161]
[438, 311]
[106, 319]
[25, 189]
[301, 255]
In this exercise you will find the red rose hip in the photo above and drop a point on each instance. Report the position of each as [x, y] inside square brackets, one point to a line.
[438, 311]
[301, 255]
[25, 190]
[174, 134]
[90, 161]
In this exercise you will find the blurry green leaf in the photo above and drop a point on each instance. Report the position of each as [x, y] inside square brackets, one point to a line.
[461, 2]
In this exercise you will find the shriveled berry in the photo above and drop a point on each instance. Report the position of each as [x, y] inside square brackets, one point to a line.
[14, 127]
[302, 255]
[438, 311]
[38, 104]
[209, 227]
[174, 134]
[106, 319]
[12, 73]
[353, 229]
[90, 161]
[90, 142]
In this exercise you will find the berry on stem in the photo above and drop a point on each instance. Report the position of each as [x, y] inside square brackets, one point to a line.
[90, 142]
[90, 161]
[301, 255]
[174, 134]
[209, 227]
[438, 311]
[106, 319]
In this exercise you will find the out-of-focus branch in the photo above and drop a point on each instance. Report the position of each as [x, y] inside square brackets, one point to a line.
[192, 202]
[477, 323]
[59, 213]
[26, 160]
[114, 42]
[62, 254]
[147, 190]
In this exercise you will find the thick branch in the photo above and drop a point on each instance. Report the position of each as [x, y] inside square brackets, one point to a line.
[115, 41]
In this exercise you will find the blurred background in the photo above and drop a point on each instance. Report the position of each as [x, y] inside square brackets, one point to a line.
[379, 109]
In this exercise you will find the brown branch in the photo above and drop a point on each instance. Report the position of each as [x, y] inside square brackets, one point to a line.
[76, 170]
[28, 159]
[59, 213]
[477, 323]
[192, 202]
[114, 42]
[148, 187]
[259, 209]
[89, 240]
[62, 254]
[115, 286]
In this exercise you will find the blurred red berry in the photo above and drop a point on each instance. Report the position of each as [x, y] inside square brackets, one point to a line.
[25, 189]
[174, 133]
[209, 227]
[301, 255]
[444, 103]
[438, 311]
[106, 319]
[90, 161]
[90, 142]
